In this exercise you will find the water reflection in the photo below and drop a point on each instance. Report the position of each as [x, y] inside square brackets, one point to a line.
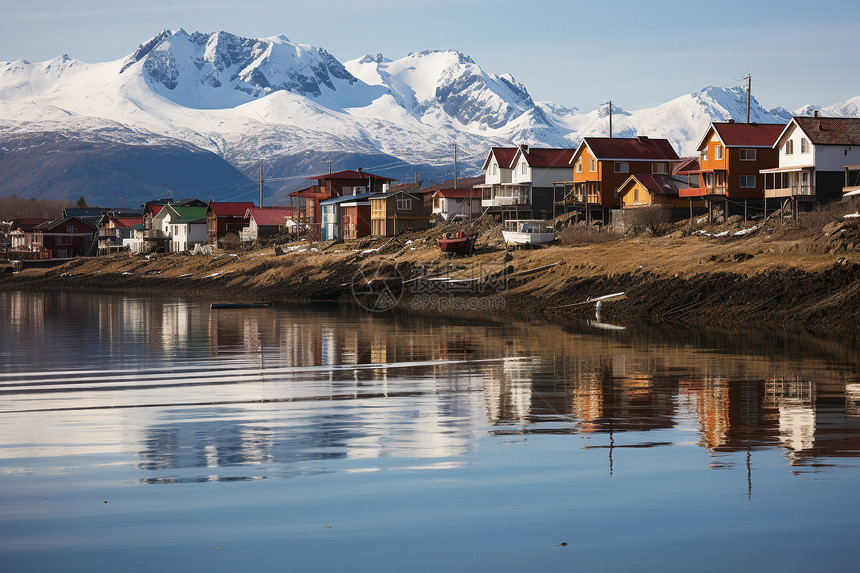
[282, 392]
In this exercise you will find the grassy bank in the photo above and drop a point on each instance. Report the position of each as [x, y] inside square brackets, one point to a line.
[803, 275]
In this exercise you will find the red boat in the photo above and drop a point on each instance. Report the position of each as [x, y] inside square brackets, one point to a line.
[457, 243]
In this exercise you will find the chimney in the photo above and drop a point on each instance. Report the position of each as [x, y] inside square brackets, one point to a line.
[731, 120]
[524, 147]
[360, 169]
[642, 138]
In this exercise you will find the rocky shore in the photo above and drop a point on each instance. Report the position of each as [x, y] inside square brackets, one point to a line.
[736, 276]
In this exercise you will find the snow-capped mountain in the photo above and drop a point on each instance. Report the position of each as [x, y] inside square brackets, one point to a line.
[296, 107]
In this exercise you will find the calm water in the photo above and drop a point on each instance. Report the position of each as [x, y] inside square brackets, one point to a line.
[145, 434]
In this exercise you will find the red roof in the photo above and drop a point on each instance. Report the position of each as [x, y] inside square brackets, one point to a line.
[687, 165]
[230, 209]
[831, 130]
[349, 175]
[27, 223]
[124, 222]
[156, 209]
[457, 193]
[748, 134]
[631, 148]
[548, 157]
[269, 215]
[656, 184]
[504, 155]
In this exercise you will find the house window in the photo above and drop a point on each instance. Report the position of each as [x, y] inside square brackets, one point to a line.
[636, 195]
[64, 240]
[718, 152]
[592, 164]
[579, 165]
[524, 168]
[747, 154]
[404, 204]
[747, 181]
[495, 167]
[71, 229]
[804, 145]
[705, 154]
[789, 147]
[659, 168]
[621, 167]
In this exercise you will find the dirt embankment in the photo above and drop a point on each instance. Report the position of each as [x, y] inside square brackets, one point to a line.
[740, 275]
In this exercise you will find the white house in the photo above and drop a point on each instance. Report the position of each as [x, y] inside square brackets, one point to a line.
[814, 153]
[523, 188]
[184, 226]
[450, 203]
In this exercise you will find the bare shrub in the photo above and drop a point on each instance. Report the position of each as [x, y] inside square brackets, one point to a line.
[582, 234]
[654, 219]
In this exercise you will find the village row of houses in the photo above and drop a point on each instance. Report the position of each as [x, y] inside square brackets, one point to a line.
[161, 225]
[808, 159]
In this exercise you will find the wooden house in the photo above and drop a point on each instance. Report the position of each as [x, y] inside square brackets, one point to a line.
[346, 217]
[395, 212]
[730, 158]
[225, 220]
[21, 237]
[183, 227]
[650, 191]
[815, 155]
[266, 222]
[451, 203]
[65, 238]
[602, 164]
[113, 231]
[328, 186]
[519, 181]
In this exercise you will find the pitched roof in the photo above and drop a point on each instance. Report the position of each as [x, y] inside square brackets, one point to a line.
[629, 148]
[545, 157]
[830, 130]
[269, 216]
[457, 193]
[687, 165]
[188, 214]
[47, 225]
[28, 223]
[349, 175]
[504, 155]
[745, 134]
[656, 184]
[230, 208]
[125, 222]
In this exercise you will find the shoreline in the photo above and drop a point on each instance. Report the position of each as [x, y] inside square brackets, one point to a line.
[762, 282]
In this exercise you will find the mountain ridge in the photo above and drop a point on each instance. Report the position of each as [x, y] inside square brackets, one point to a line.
[246, 99]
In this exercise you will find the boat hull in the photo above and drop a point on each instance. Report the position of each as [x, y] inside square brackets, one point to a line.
[520, 238]
[457, 245]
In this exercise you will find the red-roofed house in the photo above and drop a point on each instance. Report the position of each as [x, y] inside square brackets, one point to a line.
[225, 220]
[450, 203]
[730, 157]
[333, 185]
[602, 164]
[265, 222]
[650, 190]
[113, 231]
[816, 155]
[523, 188]
[21, 237]
[65, 238]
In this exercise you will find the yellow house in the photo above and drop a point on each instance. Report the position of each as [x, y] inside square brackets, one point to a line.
[648, 190]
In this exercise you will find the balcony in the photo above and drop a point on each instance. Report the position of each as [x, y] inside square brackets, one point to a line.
[154, 235]
[706, 191]
[807, 190]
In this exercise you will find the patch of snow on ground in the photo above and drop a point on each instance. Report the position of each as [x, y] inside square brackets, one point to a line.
[851, 215]
[745, 231]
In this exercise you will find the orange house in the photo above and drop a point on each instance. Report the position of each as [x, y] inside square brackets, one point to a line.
[730, 157]
[650, 190]
[601, 165]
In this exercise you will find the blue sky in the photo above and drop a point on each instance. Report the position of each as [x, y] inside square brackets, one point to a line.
[574, 53]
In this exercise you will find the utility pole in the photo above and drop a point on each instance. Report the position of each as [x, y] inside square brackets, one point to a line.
[170, 192]
[329, 161]
[121, 203]
[610, 119]
[261, 183]
[455, 167]
[749, 95]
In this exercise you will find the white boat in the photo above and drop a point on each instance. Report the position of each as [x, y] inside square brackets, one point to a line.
[527, 232]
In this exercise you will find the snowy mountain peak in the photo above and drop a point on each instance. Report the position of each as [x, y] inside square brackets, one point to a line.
[220, 69]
